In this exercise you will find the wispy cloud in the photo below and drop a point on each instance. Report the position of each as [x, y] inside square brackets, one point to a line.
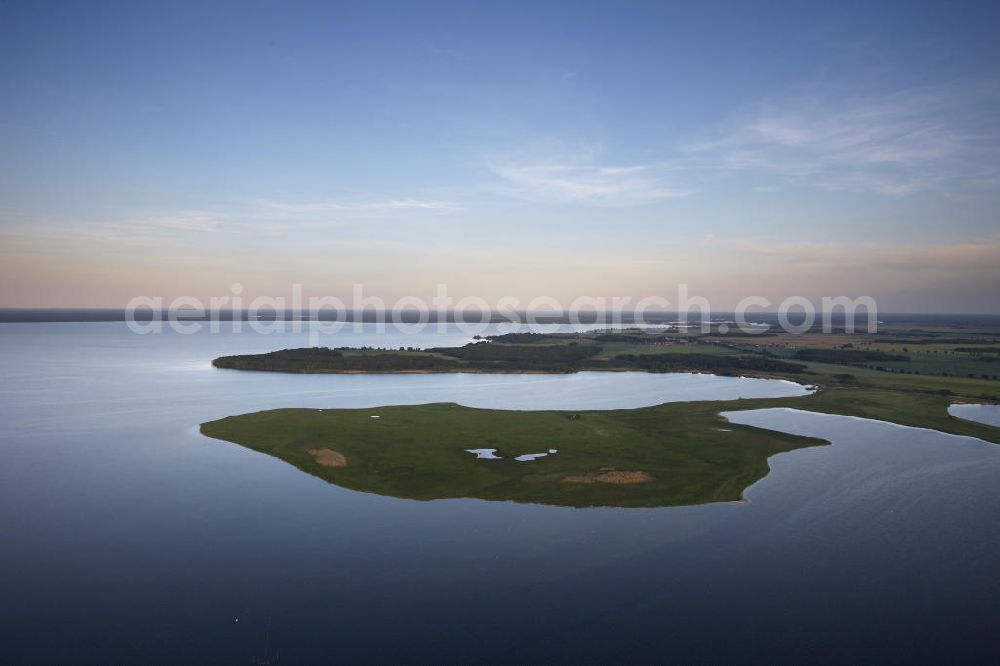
[311, 207]
[188, 220]
[943, 138]
[980, 257]
[154, 228]
[894, 144]
[122, 230]
[583, 181]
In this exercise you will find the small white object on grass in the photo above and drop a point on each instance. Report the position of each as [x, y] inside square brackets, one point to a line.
[527, 457]
[485, 454]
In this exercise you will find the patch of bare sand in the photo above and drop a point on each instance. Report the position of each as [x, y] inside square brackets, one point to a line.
[611, 476]
[329, 457]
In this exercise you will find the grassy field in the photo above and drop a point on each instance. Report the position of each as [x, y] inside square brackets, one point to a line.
[675, 454]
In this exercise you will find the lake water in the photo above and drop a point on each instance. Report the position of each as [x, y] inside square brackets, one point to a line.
[129, 538]
[988, 414]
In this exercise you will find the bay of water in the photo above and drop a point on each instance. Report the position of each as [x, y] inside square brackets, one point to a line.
[127, 537]
[988, 414]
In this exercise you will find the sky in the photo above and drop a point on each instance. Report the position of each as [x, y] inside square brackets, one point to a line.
[517, 149]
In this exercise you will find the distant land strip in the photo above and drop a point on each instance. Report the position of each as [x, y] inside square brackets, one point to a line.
[42, 315]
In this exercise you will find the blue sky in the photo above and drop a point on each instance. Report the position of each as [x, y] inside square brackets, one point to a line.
[523, 149]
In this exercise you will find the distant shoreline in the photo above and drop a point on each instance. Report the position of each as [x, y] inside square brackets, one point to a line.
[80, 315]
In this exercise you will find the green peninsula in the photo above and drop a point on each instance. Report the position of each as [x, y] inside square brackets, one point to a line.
[668, 455]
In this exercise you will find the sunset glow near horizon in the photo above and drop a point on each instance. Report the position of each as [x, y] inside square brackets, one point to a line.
[600, 150]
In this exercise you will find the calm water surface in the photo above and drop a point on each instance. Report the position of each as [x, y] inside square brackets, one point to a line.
[129, 538]
[988, 414]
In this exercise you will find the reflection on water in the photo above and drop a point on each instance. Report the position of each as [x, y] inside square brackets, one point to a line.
[128, 538]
